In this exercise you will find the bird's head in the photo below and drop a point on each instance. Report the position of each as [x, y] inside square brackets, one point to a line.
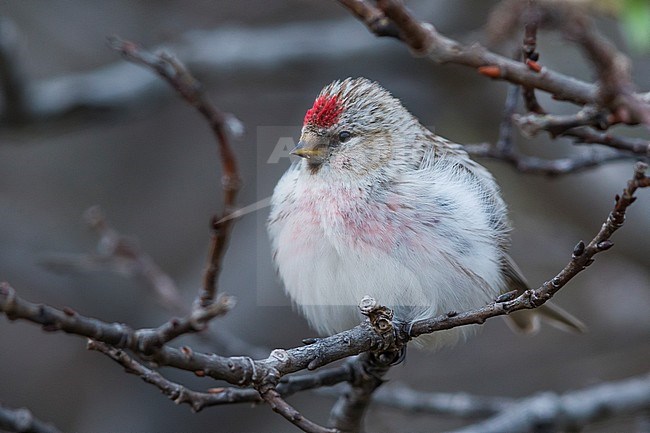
[355, 127]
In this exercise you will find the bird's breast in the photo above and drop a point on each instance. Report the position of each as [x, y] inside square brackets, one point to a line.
[350, 219]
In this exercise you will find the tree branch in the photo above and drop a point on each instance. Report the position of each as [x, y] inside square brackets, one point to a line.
[549, 167]
[556, 125]
[459, 405]
[316, 379]
[198, 319]
[570, 126]
[179, 394]
[279, 405]
[176, 392]
[424, 40]
[637, 146]
[570, 411]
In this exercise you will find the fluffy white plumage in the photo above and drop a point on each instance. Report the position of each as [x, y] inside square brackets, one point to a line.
[381, 206]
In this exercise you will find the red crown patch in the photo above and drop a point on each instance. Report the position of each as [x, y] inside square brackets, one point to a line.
[324, 113]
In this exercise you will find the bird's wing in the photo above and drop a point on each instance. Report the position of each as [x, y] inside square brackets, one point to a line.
[523, 320]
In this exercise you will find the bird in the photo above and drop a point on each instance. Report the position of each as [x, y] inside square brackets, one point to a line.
[377, 204]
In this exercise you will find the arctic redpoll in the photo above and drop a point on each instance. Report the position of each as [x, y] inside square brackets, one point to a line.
[379, 205]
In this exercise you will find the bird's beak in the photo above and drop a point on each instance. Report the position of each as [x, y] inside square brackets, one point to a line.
[313, 150]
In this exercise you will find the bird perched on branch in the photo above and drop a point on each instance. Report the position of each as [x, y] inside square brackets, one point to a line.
[379, 205]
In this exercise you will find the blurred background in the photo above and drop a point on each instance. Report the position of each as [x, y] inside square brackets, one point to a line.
[150, 161]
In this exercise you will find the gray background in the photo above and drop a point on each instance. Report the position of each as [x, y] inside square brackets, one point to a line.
[154, 171]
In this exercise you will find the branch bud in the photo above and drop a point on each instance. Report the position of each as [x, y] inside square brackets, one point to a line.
[367, 305]
[579, 249]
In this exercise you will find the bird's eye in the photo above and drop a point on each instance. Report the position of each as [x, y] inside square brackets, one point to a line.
[344, 136]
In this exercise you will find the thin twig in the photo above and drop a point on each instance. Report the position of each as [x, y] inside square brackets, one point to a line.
[316, 379]
[532, 123]
[190, 89]
[459, 405]
[505, 143]
[570, 125]
[152, 339]
[279, 405]
[530, 54]
[179, 394]
[638, 146]
[122, 254]
[548, 167]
